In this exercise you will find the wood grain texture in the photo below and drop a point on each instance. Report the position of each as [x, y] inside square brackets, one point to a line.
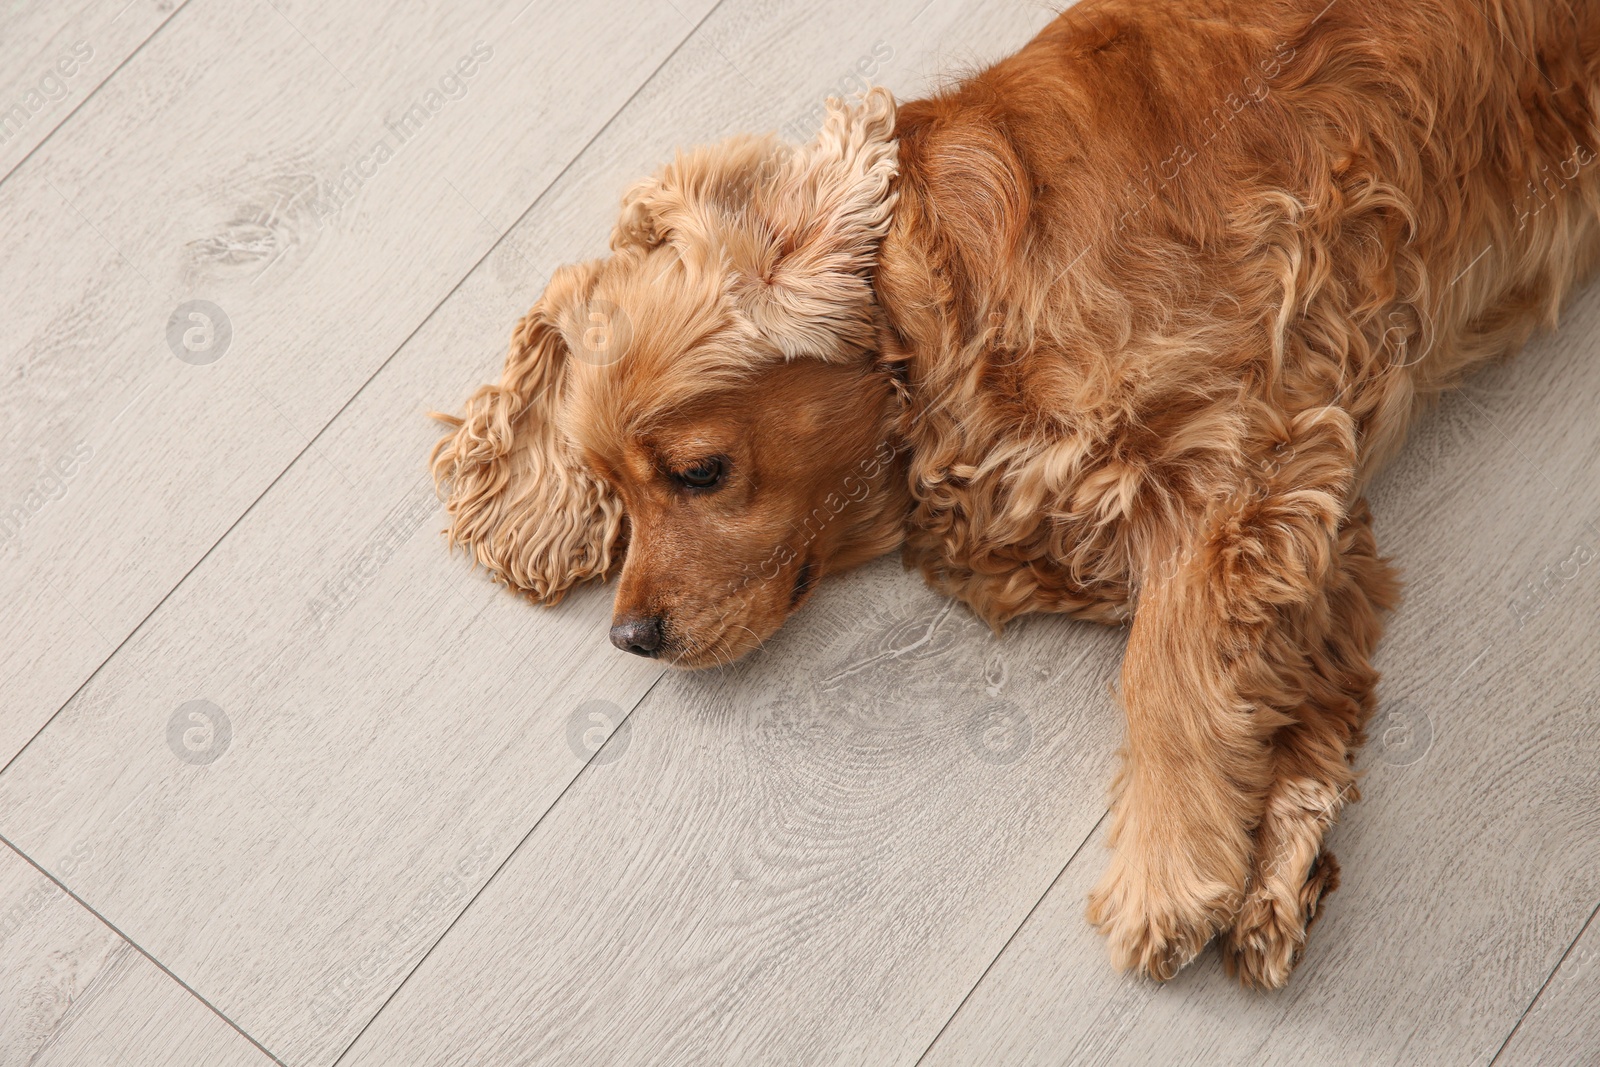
[237, 159]
[1473, 859]
[296, 782]
[53, 56]
[1562, 1029]
[807, 858]
[395, 725]
[383, 731]
[73, 992]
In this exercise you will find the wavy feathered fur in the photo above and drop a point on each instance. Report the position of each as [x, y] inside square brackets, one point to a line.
[1121, 327]
[518, 498]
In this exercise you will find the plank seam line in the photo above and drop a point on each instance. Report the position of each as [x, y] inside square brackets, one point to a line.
[503, 864]
[968, 996]
[141, 950]
[1544, 985]
[357, 394]
[91, 94]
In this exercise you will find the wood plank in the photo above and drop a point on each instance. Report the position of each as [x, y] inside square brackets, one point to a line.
[1562, 1028]
[52, 57]
[806, 858]
[73, 992]
[1474, 856]
[396, 725]
[239, 159]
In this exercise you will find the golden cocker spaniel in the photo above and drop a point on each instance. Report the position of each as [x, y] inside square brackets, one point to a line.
[1118, 327]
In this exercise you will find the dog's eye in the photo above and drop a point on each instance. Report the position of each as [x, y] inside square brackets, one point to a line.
[705, 474]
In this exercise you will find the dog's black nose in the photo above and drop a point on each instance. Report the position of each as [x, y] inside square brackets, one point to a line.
[642, 637]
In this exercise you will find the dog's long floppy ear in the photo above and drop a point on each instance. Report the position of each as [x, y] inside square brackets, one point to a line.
[800, 223]
[519, 496]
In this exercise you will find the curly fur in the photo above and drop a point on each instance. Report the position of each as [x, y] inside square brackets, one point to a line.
[1128, 321]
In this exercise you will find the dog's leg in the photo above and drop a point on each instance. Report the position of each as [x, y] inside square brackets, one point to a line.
[1216, 661]
[1312, 775]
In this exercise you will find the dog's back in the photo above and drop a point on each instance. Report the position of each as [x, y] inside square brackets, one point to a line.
[1349, 202]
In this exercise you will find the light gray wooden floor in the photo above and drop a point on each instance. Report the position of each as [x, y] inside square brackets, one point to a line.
[283, 782]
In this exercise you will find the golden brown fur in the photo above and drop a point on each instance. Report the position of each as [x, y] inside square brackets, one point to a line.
[1119, 327]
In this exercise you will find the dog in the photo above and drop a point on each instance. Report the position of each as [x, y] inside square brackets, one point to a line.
[1119, 327]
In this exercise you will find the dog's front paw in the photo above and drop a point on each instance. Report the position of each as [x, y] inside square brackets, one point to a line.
[1156, 923]
[1269, 937]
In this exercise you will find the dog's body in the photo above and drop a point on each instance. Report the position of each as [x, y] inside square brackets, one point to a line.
[1119, 327]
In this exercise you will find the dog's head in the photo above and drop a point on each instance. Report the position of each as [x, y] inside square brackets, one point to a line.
[706, 405]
